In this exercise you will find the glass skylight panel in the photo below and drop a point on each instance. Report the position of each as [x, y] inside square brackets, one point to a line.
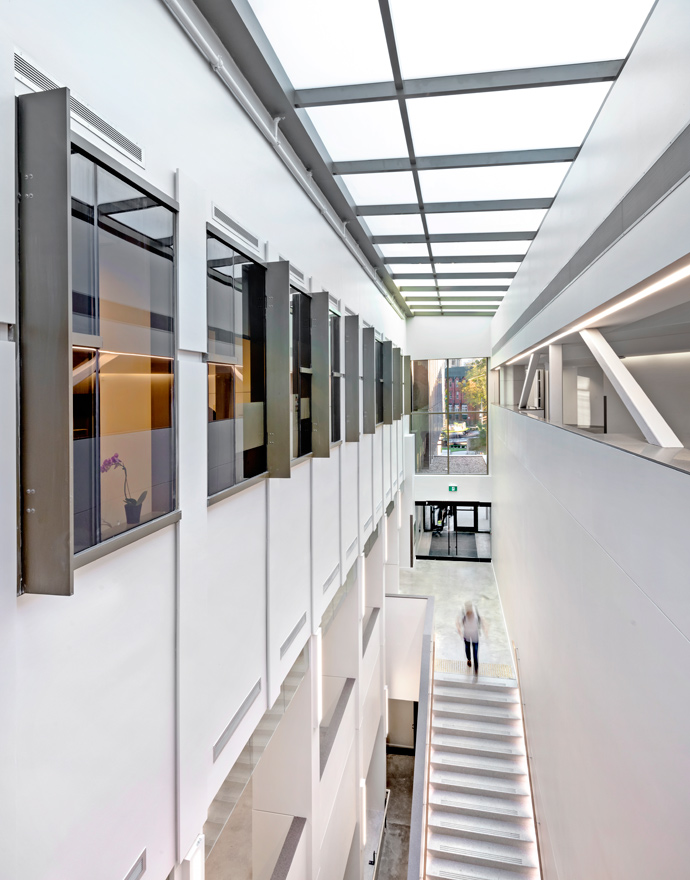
[360, 131]
[451, 37]
[395, 224]
[470, 282]
[520, 119]
[297, 30]
[384, 188]
[486, 221]
[475, 248]
[391, 251]
[497, 182]
[504, 268]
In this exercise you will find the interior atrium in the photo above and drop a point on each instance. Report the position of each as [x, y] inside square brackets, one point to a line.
[345, 394]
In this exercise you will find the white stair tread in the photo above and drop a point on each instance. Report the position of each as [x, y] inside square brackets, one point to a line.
[477, 763]
[506, 855]
[474, 745]
[503, 713]
[473, 726]
[480, 681]
[444, 869]
[510, 787]
[467, 824]
[478, 804]
[469, 694]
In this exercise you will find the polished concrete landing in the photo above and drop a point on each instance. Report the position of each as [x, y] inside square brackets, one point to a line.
[396, 840]
[452, 584]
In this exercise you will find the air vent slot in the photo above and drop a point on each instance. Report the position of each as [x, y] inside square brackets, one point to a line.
[293, 635]
[224, 738]
[36, 79]
[139, 868]
[235, 227]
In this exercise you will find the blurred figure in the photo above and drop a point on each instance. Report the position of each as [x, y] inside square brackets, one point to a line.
[468, 625]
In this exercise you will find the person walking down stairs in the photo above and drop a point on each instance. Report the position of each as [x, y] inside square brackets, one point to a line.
[469, 624]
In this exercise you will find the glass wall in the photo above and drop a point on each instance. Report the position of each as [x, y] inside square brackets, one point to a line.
[301, 372]
[122, 379]
[450, 416]
[236, 295]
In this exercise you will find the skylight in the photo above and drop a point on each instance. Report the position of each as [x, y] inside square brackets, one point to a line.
[360, 131]
[502, 182]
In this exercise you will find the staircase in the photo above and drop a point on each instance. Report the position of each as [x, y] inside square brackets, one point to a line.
[480, 822]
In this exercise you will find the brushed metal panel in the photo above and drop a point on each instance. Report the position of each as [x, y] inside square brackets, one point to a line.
[387, 383]
[45, 342]
[397, 385]
[352, 350]
[278, 398]
[321, 377]
[369, 381]
[407, 380]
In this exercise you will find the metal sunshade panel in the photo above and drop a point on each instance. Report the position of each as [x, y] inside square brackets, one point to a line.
[352, 378]
[320, 387]
[368, 380]
[278, 391]
[388, 383]
[45, 343]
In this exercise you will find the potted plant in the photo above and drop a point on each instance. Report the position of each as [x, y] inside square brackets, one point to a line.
[132, 505]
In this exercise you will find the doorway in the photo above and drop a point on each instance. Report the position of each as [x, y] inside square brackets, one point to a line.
[460, 530]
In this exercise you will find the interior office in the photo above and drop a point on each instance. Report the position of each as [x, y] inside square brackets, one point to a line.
[149, 654]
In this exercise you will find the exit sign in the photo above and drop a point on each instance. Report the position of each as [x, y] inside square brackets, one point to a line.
[452, 488]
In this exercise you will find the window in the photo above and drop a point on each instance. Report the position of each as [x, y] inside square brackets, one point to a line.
[336, 375]
[301, 372]
[450, 438]
[379, 381]
[236, 297]
[123, 356]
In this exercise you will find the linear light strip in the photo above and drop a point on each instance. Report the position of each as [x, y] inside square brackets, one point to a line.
[662, 284]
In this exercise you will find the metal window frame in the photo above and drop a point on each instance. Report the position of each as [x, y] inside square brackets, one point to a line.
[321, 376]
[368, 380]
[387, 382]
[352, 368]
[278, 396]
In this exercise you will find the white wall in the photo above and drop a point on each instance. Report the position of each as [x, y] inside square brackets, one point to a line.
[404, 632]
[645, 110]
[104, 696]
[428, 487]
[592, 574]
[448, 338]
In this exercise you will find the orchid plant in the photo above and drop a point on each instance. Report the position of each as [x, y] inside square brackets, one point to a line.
[116, 462]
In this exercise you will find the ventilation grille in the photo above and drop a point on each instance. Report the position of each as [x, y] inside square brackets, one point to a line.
[293, 635]
[224, 738]
[331, 577]
[297, 274]
[139, 868]
[35, 78]
[235, 227]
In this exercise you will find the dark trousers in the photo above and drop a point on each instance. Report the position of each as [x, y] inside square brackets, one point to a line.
[475, 647]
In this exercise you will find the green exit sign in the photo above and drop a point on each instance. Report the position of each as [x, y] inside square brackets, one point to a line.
[452, 488]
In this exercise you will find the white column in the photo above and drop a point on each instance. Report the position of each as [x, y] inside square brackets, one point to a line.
[648, 418]
[529, 379]
[556, 383]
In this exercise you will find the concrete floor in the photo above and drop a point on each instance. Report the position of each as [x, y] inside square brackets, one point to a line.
[452, 584]
[396, 840]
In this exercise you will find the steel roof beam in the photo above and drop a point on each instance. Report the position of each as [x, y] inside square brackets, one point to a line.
[445, 237]
[465, 83]
[458, 160]
[461, 289]
[455, 207]
[413, 301]
[458, 276]
[465, 258]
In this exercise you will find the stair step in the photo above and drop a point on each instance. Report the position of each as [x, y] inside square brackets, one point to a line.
[482, 805]
[492, 767]
[472, 745]
[481, 852]
[480, 827]
[471, 727]
[443, 869]
[479, 697]
[477, 713]
[485, 785]
[500, 685]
